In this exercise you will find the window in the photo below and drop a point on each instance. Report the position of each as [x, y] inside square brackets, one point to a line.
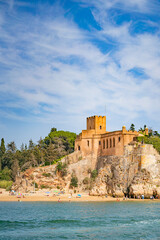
[79, 148]
[88, 143]
[107, 143]
[113, 142]
[99, 142]
[103, 144]
[100, 127]
[119, 139]
[110, 143]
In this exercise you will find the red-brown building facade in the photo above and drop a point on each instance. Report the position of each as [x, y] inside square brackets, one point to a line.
[96, 140]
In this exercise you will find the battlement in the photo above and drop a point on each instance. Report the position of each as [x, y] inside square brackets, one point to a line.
[97, 123]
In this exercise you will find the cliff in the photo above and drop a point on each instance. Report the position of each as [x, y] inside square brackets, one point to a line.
[135, 173]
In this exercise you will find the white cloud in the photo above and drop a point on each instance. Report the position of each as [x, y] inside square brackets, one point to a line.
[126, 5]
[53, 67]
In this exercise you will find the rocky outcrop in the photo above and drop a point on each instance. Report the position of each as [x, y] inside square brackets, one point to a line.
[135, 173]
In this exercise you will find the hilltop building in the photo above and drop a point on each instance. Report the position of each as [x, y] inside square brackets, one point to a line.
[97, 141]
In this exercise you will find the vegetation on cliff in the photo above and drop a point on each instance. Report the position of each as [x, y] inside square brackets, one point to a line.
[48, 151]
[154, 140]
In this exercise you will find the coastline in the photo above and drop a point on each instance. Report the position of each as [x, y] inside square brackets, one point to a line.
[65, 198]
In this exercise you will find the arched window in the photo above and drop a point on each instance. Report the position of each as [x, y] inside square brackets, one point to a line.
[79, 148]
[103, 144]
[107, 143]
[113, 142]
[99, 142]
[100, 127]
[119, 139]
[110, 142]
[88, 143]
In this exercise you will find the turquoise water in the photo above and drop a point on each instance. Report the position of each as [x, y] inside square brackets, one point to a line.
[50, 220]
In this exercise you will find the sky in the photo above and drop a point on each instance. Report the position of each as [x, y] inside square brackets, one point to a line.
[63, 61]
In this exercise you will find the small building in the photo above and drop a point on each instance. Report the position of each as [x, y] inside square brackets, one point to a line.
[97, 141]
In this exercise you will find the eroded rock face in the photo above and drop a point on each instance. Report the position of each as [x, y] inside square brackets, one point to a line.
[135, 173]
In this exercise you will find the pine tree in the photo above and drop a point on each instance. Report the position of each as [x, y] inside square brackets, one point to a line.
[132, 127]
[2, 151]
[11, 147]
[2, 148]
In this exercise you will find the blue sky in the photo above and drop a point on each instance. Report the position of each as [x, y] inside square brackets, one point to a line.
[62, 61]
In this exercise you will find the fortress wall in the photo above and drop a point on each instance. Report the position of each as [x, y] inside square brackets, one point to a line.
[150, 159]
[112, 144]
[128, 137]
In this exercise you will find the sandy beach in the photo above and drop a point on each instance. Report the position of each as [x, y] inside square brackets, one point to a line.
[42, 197]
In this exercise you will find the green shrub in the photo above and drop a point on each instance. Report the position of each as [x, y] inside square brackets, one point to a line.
[154, 140]
[59, 167]
[36, 184]
[46, 163]
[74, 181]
[94, 174]
[6, 184]
[5, 174]
[62, 168]
[9, 188]
[86, 180]
[46, 174]
[44, 186]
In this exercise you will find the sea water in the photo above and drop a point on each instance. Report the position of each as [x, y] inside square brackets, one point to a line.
[58, 220]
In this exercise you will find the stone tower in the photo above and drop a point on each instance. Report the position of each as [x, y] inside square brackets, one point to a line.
[97, 123]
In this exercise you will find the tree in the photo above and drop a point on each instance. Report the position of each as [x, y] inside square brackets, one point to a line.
[141, 129]
[40, 143]
[53, 129]
[62, 168]
[22, 147]
[39, 155]
[25, 147]
[11, 147]
[150, 132]
[132, 127]
[50, 154]
[33, 160]
[15, 169]
[2, 151]
[31, 145]
[5, 174]
[2, 147]
[7, 159]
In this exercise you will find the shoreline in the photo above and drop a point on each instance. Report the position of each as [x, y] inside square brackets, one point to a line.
[5, 198]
